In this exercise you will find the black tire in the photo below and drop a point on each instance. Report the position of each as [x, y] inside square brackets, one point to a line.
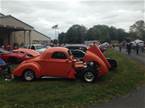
[89, 76]
[28, 75]
[113, 63]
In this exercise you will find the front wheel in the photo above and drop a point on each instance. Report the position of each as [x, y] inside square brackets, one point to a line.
[28, 75]
[113, 63]
[89, 76]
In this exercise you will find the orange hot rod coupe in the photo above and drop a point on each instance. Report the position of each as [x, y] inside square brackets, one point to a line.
[55, 62]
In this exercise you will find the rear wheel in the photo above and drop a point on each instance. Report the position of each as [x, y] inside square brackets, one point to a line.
[28, 75]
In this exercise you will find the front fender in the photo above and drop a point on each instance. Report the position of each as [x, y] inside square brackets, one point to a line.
[97, 51]
[35, 67]
[103, 69]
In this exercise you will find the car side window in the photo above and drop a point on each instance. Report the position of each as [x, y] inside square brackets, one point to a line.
[22, 52]
[29, 55]
[58, 55]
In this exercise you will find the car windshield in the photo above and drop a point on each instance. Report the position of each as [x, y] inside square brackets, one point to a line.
[77, 47]
[4, 51]
[78, 53]
[38, 47]
[69, 52]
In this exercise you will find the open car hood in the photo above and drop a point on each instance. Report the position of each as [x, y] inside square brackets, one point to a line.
[94, 49]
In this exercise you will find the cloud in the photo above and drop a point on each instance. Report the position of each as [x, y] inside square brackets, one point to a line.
[43, 14]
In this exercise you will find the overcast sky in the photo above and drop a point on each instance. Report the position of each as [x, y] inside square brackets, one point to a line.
[43, 14]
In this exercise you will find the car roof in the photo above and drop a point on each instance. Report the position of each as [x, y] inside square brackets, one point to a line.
[47, 53]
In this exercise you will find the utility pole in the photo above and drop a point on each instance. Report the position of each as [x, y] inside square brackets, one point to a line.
[55, 27]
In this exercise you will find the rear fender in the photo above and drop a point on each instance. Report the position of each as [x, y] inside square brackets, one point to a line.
[28, 66]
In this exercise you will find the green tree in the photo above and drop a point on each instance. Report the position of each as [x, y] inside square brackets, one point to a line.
[137, 30]
[113, 33]
[98, 32]
[61, 37]
[75, 34]
[78, 33]
[121, 35]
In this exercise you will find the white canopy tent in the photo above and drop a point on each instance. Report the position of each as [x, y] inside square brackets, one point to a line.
[138, 41]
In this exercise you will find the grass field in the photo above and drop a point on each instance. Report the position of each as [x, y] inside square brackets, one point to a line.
[61, 93]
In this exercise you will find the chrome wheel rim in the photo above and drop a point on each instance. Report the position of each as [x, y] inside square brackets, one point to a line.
[29, 75]
[89, 76]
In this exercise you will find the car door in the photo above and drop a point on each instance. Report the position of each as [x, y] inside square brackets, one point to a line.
[58, 65]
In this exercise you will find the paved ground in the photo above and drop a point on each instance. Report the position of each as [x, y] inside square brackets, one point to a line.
[136, 99]
[140, 57]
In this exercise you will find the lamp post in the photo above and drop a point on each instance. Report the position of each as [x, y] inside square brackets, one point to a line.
[55, 27]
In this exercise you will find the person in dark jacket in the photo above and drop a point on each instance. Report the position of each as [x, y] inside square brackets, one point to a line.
[33, 47]
[128, 47]
[2, 65]
[137, 49]
[120, 46]
[4, 68]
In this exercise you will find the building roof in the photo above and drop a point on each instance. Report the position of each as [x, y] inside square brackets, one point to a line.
[14, 28]
[1, 14]
[9, 16]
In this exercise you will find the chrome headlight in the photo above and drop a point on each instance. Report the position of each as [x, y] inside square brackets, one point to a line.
[91, 63]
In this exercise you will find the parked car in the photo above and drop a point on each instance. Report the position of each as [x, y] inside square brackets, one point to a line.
[84, 47]
[77, 46]
[34, 46]
[2, 65]
[41, 50]
[55, 62]
[94, 55]
[18, 55]
[26, 52]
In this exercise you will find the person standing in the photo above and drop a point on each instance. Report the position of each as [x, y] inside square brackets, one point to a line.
[137, 49]
[120, 46]
[128, 47]
[33, 47]
[142, 48]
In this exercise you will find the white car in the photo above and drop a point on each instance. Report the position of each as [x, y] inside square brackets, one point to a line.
[42, 49]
